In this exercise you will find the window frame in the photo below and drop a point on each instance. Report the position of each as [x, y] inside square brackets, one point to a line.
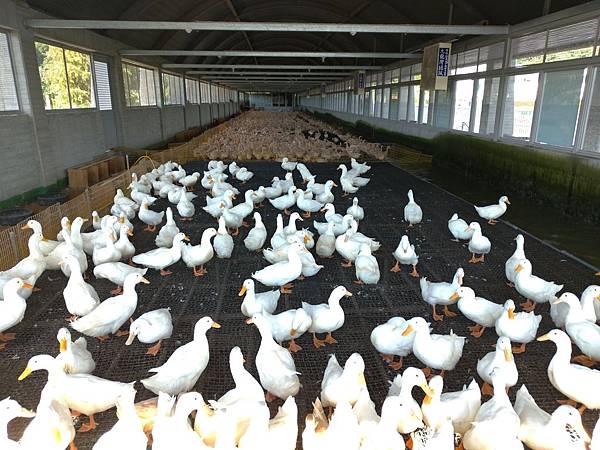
[125, 88]
[13, 68]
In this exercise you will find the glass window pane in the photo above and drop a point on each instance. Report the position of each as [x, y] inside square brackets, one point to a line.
[560, 107]
[51, 65]
[405, 74]
[442, 108]
[467, 62]
[425, 112]
[103, 86]
[415, 73]
[462, 104]
[81, 88]
[394, 95]
[521, 92]
[413, 103]
[486, 118]
[491, 57]
[385, 104]
[8, 90]
[528, 50]
[591, 142]
[395, 76]
[479, 90]
[378, 103]
[572, 41]
[403, 103]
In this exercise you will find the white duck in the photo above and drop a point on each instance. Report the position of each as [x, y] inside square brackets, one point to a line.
[460, 406]
[172, 423]
[258, 196]
[255, 303]
[343, 384]
[500, 359]
[46, 246]
[288, 165]
[493, 212]
[306, 203]
[185, 207]
[514, 260]
[496, 424]
[107, 252]
[410, 416]
[366, 266]
[275, 190]
[150, 327]
[128, 431]
[326, 196]
[12, 308]
[436, 351]
[80, 297]
[282, 273]
[346, 181]
[589, 297]
[440, 293]
[459, 228]
[358, 167]
[189, 181]
[10, 409]
[405, 254]
[288, 326]
[81, 392]
[124, 245]
[326, 242]
[149, 217]
[198, 255]
[304, 172]
[74, 357]
[477, 309]
[521, 327]
[557, 431]
[161, 258]
[285, 201]
[168, 231]
[245, 208]
[223, 242]
[275, 365]
[388, 340]
[112, 313]
[233, 168]
[413, 214]
[576, 382]
[256, 236]
[185, 365]
[347, 247]
[534, 289]
[584, 333]
[29, 268]
[327, 317]
[232, 220]
[355, 210]
[116, 272]
[243, 175]
[478, 244]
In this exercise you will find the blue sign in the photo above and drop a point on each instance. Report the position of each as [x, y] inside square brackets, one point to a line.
[442, 64]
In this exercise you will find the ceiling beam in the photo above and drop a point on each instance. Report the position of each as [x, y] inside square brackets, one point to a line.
[253, 72]
[271, 54]
[268, 26]
[280, 78]
[270, 66]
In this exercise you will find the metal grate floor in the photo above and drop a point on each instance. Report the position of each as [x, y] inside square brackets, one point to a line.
[216, 295]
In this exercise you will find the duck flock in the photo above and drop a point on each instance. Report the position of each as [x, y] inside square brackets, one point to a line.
[478, 417]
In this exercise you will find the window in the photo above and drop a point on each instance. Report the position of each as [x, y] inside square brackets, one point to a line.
[572, 42]
[442, 108]
[521, 93]
[425, 112]
[192, 91]
[560, 107]
[415, 73]
[403, 103]
[485, 116]
[395, 76]
[385, 104]
[377, 103]
[466, 62]
[528, 50]
[66, 77]
[413, 103]
[394, 95]
[491, 57]
[462, 105]
[172, 88]
[591, 142]
[405, 74]
[8, 90]
[139, 86]
[102, 86]
[204, 93]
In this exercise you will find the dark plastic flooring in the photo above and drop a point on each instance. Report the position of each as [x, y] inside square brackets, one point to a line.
[216, 295]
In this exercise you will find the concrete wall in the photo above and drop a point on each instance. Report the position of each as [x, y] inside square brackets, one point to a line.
[37, 146]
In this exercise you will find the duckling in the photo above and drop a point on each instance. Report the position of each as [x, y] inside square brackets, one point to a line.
[388, 340]
[198, 255]
[521, 327]
[460, 406]
[113, 312]
[149, 217]
[116, 272]
[185, 365]
[367, 269]
[128, 431]
[10, 409]
[477, 309]
[534, 289]
[439, 293]
[539, 430]
[123, 245]
[74, 357]
[343, 384]
[412, 212]
[256, 236]
[223, 242]
[355, 210]
[161, 258]
[479, 244]
[327, 317]
[150, 327]
[288, 326]
[493, 212]
[500, 359]
[275, 365]
[80, 297]
[512, 262]
[255, 303]
[459, 228]
[12, 308]
[405, 254]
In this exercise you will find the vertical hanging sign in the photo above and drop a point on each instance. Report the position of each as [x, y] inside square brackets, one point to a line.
[359, 82]
[436, 67]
